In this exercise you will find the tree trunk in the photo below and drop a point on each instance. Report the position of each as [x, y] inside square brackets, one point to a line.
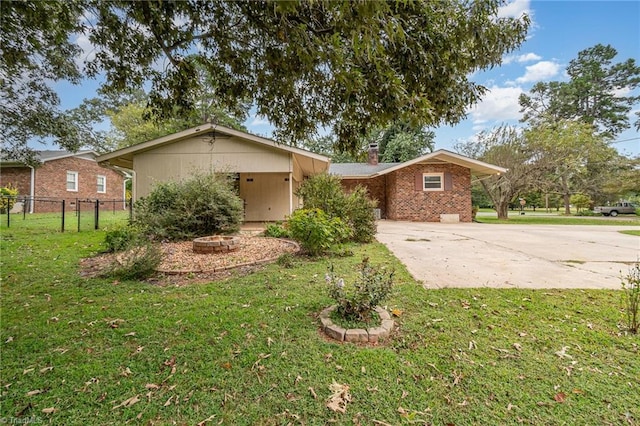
[566, 196]
[503, 210]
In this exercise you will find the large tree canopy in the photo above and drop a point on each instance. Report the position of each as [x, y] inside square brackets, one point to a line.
[347, 65]
[599, 92]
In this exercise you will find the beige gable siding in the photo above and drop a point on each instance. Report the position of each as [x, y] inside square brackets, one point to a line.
[181, 160]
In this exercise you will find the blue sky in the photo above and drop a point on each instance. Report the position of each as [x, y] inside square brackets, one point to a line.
[560, 30]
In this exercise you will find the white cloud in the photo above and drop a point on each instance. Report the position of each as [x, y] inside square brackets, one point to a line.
[498, 104]
[527, 57]
[543, 70]
[259, 120]
[514, 9]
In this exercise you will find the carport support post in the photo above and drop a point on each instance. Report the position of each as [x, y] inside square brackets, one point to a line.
[8, 212]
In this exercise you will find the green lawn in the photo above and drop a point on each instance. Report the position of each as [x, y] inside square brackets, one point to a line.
[247, 350]
[540, 218]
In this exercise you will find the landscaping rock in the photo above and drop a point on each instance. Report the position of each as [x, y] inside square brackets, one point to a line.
[335, 332]
[356, 335]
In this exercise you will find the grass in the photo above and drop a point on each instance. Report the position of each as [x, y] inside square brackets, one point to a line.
[631, 232]
[247, 350]
[553, 219]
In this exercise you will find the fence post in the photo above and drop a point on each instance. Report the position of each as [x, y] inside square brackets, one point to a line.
[97, 215]
[130, 209]
[63, 203]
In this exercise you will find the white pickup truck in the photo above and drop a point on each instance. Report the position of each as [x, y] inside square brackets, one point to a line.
[616, 209]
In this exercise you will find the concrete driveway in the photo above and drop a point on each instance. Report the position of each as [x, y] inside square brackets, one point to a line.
[512, 256]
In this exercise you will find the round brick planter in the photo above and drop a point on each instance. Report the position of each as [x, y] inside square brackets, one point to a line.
[216, 244]
[370, 335]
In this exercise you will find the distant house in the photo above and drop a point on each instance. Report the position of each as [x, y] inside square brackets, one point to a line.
[435, 187]
[62, 175]
[267, 173]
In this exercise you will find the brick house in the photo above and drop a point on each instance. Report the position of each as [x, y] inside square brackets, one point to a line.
[63, 175]
[435, 187]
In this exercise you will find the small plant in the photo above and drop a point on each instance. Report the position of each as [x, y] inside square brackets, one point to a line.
[631, 288]
[121, 238]
[137, 263]
[316, 232]
[357, 303]
[276, 230]
[286, 260]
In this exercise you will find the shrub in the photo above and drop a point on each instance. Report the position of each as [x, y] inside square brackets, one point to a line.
[631, 287]
[315, 232]
[370, 290]
[121, 237]
[276, 230]
[325, 192]
[137, 263]
[205, 204]
[8, 196]
[286, 260]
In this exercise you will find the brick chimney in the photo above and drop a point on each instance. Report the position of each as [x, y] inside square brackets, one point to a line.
[373, 154]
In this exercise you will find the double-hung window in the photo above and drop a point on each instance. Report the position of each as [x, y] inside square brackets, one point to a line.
[102, 184]
[72, 181]
[433, 181]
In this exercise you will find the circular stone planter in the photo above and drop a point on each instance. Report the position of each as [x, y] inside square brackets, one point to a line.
[216, 244]
[370, 335]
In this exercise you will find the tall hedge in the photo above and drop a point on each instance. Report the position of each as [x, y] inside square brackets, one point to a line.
[204, 204]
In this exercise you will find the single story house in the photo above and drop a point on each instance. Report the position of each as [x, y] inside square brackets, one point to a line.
[434, 187]
[268, 174]
[63, 175]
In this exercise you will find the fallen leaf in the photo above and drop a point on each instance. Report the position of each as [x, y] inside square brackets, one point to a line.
[404, 394]
[45, 369]
[339, 398]
[363, 370]
[128, 402]
[560, 397]
[313, 393]
[133, 333]
[207, 420]
[518, 346]
[127, 372]
[9, 339]
[226, 366]
[269, 341]
[396, 312]
[28, 370]
[511, 406]
[139, 349]
[151, 386]
[168, 403]
[298, 378]
[578, 391]
[562, 353]
[35, 392]
[49, 410]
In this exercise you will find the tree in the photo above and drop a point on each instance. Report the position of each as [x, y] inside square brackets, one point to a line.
[36, 50]
[349, 66]
[402, 141]
[581, 201]
[594, 94]
[507, 147]
[572, 157]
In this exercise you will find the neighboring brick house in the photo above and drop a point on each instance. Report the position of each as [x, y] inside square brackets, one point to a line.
[435, 187]
[63, 175]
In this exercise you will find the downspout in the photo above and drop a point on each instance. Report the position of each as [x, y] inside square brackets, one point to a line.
[32, 189]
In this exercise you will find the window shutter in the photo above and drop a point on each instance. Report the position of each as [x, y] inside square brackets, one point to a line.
[448, 181]
[419, 183]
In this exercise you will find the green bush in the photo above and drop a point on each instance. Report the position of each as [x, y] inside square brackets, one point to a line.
[315, 231]
[8, 196]
[205, 204]
[325, 192]
[121, 237]
[137, 263]
[357, 302]
[276, 230]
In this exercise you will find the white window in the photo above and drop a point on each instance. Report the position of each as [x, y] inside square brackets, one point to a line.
[72, 181]
[433, 181]
[102, 184]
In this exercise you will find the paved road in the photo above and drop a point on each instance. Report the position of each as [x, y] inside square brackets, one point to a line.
[512, 256]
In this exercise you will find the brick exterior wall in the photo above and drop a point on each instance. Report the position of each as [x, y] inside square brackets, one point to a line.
[407, 203]
[51, 183]
[376, 187]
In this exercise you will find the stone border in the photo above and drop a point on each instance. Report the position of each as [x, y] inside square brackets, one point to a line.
[216, 244]
[357, 335]
[237, 265]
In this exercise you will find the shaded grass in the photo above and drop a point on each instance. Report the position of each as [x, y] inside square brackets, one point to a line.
[631, 232]
[562, 220]
[246, 350]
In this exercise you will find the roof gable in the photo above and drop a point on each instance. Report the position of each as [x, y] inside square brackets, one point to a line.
[363, 170]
